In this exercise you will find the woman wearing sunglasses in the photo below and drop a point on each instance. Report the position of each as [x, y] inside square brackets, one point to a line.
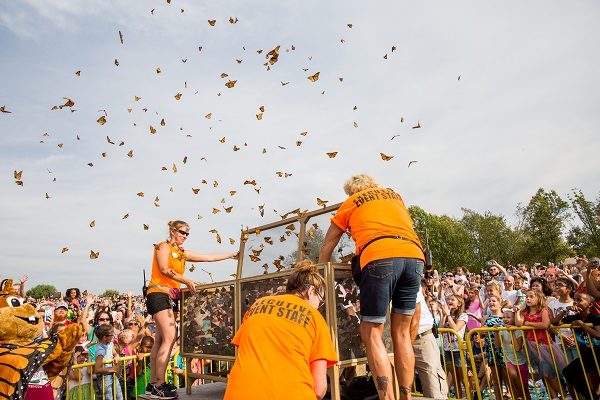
[168, 266]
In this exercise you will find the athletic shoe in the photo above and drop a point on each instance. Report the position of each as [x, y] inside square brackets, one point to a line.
[162, 391]
[149, 388]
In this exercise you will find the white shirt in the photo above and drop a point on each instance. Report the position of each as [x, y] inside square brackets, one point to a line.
[426, 322]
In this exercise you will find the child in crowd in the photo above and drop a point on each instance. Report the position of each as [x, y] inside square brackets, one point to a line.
[494, 356]
[474, 306]
[482, 371]
[142, 366]
[588, 340]
[436, 311]
[106, 385]
[454, 318]
[543, 354]
[514, 355]
[563, 288]
[519, 288]
[541, 285]
[79, 378]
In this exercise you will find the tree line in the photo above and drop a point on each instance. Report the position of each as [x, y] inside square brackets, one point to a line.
[549, 229]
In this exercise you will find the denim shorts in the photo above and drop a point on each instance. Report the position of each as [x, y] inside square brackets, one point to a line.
[389, 279]
[453, 358]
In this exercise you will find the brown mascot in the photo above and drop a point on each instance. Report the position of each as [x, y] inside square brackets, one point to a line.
[22, 353]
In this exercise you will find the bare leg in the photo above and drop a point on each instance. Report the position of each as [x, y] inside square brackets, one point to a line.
[379, 362]
[166, 332]
[404, 356]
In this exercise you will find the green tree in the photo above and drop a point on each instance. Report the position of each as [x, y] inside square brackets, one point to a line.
[449, 241]
[585, 239]
[490, 237]
[39, 291]
[110, 293]
[541, 223]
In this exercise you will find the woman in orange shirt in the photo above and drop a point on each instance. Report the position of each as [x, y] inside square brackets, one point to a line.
[392, 262]
[284, 345]
[168, 266]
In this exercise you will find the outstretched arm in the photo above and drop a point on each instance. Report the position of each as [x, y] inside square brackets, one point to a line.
[195, 257]
[332, 237]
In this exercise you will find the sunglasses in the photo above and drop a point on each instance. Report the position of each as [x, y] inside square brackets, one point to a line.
[184, 233]
[103, 319]
[321, 299]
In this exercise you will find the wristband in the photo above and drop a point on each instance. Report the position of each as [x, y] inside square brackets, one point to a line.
[565, 310]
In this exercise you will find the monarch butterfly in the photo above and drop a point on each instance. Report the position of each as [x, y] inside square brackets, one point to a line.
[195, 190]
[93, 255]
[322, 202]
[178, 96]
[233, 21]
[257, 252]
[254, 258]
[314, 78]
[230, 84]
[291, 227]
[386, 158]
[64, 249]
[212, 22]
[268, 240]
[332, 154]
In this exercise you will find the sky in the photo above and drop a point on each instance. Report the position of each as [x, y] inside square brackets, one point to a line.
[504, 95]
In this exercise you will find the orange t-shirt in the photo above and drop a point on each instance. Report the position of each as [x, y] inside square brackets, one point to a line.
[378, 212]
[278, 339]
[176, 263]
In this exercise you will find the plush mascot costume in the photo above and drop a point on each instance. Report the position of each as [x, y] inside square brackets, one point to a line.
[23, 351]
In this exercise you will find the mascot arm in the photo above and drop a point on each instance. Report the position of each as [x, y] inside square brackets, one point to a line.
[61, 355]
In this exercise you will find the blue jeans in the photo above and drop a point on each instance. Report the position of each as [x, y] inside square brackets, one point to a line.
[390, 279]
[107, 386]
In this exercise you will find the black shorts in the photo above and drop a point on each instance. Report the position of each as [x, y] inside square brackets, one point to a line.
[157, 301]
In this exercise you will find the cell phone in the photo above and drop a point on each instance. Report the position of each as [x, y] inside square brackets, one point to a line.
[489, 263]
[48, 313]
[137, 311]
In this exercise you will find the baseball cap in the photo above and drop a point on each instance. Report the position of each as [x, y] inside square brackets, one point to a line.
[62, 304]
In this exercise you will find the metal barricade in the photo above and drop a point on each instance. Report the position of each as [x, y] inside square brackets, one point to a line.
[516, 358]
[454, 361]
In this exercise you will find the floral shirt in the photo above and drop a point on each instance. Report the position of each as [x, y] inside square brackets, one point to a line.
[494, 356]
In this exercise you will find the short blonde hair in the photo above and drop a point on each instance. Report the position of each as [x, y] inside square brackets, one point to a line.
[359, 183]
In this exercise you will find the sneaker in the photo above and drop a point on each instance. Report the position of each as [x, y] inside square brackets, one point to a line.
[149, 388]
[162, 391]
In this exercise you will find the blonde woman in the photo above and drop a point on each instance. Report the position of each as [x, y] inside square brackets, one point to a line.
[168, 266]
[392, 262]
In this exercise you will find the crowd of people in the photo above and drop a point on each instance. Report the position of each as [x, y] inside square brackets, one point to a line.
[391, 267]
[565, 360]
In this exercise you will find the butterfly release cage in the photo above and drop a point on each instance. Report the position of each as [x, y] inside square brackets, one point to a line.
[210, 318]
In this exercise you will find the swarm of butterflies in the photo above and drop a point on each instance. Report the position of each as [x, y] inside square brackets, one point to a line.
[271, 58]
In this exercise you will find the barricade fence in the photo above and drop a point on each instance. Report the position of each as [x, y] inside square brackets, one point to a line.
[488, 363]
[521, 362]
[131, 378]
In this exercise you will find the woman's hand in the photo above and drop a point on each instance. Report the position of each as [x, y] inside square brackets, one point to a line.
[235, 255]
[191, 285]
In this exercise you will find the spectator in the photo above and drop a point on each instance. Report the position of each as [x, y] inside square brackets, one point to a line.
[563, 289]
[378, 217]
[588, 339]
[536, 314]
[80, 378]
[474, 306]
[541, 285]
[106, 385]
[515, 357]
[460, 275]
[509, 293]
[493, 355]
[454, 318]
[60, 314]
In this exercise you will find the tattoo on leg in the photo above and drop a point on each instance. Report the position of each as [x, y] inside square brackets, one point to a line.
[404, 390]
[382, 384]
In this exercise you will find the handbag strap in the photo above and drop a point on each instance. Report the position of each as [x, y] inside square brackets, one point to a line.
[389, 237]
